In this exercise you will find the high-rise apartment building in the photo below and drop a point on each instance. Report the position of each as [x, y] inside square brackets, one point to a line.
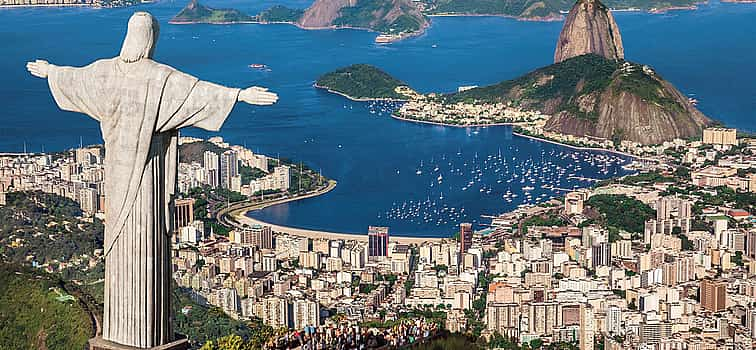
[212, 167]
[229, 168]
[306, 313]
[184, 213]
[713, 295]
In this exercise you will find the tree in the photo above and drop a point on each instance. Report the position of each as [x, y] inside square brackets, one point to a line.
[737, 259]
[536, 343]
[231, 342]
[622, 212]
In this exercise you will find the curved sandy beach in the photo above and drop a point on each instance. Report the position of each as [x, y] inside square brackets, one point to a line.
[239, 215]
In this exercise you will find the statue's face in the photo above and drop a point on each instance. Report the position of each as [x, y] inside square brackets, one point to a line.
[141, 37]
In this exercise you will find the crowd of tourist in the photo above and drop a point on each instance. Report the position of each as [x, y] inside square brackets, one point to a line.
[343, 337]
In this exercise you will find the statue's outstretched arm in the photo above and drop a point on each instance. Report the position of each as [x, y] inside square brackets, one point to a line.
[258, 96]
[39, 68]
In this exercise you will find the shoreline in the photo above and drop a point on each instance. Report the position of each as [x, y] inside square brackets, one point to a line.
[582, 148]
[319, 234]
[355, 99]
[523, 19]
[240, 215]
[205, 22]
[419, 121]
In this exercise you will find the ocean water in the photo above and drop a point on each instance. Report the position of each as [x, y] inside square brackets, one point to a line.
[386, 168]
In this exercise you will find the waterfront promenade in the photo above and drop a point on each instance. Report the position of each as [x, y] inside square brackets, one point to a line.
[236, 216]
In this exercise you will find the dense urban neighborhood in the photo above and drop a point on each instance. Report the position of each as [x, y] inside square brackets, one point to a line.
[660, 259]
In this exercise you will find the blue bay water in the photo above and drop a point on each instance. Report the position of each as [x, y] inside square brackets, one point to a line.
[709, 53]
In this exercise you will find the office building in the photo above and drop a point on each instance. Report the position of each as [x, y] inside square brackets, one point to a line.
[465, 237]
[378, 241]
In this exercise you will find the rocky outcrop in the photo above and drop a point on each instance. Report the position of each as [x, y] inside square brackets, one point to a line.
[589, 28]
[653, 114]
[322, 13]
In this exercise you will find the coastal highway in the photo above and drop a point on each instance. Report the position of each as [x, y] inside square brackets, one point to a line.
[234, 216]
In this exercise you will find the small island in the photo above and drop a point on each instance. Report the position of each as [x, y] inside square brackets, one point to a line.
[195, 13]
[363, 82]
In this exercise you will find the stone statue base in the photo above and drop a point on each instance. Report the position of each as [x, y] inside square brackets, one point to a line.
[101, 344]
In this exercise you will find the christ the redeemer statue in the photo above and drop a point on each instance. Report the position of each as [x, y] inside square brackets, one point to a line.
[141, 105]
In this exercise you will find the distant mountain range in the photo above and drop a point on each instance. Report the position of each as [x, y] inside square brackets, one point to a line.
[393, 17]
[398, 19]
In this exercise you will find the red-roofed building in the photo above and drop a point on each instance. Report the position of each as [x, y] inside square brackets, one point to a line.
[738, 214]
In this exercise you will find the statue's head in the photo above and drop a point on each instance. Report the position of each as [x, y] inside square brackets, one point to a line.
[141, 37]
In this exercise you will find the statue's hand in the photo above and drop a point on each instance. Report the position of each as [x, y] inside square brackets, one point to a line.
[258, 96]
[39, 68]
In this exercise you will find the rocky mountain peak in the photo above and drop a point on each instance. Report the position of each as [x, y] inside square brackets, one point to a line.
[589, 28]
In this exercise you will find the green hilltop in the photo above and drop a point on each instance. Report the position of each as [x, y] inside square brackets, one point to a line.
[194, 12]
[562, 86]
[279, 14]
[37, 312]
[362, 81]
[363, 15]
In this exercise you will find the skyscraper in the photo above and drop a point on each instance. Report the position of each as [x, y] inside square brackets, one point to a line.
[378, 239]
[465, 237]
[212, 165]
[713, 295]
[229, 167]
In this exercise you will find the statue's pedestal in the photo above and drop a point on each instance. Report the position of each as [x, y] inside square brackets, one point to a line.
[102, 344]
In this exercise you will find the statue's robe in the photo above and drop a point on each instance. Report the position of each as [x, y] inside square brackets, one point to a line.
[140, 107]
